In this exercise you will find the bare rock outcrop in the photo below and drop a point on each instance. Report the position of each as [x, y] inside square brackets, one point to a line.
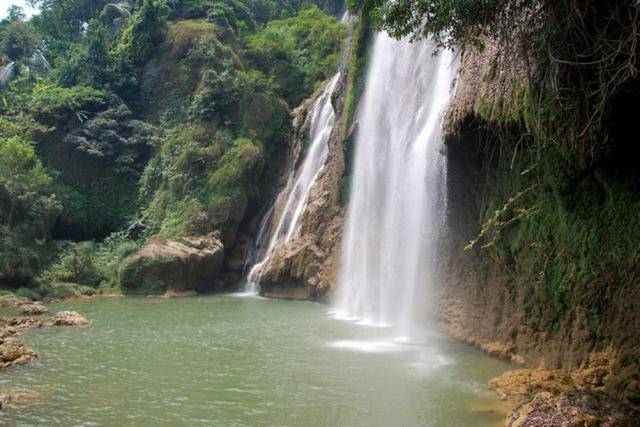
[490, 83]
[32, 309]
[14, 353]
[68, 318]
[306, 266]
[163, 264]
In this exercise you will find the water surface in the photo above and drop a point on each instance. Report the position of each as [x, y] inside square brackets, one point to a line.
[230, 360]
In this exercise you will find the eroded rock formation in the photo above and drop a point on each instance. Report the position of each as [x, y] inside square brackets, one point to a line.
[162, 264]
[306, 266]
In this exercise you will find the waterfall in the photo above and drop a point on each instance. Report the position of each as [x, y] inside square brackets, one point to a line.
[293, 198]
[7, 74]
[397, 195]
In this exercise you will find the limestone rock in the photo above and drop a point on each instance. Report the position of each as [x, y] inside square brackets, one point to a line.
[306, 266]
[32, 309]
[69, 318]
[21, 322]
[163, 264]
[13, 352]
[572, 408]
[176, 294]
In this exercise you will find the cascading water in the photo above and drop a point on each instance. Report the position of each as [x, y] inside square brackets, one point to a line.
[398, 195]
[293, 198]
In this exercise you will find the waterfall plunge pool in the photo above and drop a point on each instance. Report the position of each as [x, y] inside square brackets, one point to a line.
[232, 360]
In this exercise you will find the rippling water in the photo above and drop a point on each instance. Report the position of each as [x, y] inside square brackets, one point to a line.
[231, 360]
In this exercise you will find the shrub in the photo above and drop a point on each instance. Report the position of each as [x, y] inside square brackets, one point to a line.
[28, 293]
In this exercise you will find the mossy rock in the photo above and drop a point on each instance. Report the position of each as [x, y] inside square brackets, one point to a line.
[162, 265]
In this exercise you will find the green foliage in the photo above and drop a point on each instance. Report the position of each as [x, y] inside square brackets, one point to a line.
[28, 209]
[199, 183]
[55, 105]
[18, 39]
[88, 62]
[298, 51]
[25, 187]
[28, 293]
[74, 265]
[221, 125]
[62, 290]
[565, 234]
[145, 31]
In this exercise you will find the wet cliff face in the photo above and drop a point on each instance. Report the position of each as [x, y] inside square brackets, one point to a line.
[305, 266]
[538, 268]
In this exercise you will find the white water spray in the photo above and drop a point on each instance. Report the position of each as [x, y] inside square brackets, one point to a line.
[295, 194]
[397, 195]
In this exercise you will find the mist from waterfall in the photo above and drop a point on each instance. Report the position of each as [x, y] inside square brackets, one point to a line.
[293, 199]
[397, 196]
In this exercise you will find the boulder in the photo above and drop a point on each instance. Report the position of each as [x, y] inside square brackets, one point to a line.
[162, 264]
[21, 322]
[179, 294]
[572, 408]
[32, 309]
[69, 318]
[13, 352]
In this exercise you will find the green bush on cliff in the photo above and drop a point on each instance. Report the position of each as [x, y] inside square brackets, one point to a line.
[28, 209]
[299, 51]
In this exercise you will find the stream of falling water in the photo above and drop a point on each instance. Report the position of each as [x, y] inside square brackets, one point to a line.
[293, 198]
[397, 195]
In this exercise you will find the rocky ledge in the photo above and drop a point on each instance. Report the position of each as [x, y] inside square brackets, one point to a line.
[32, 309]
[544, 397]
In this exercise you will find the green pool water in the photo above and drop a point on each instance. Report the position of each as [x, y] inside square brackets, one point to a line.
[233, 360]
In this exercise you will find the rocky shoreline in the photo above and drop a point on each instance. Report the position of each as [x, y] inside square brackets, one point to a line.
[542, 397]
[13, 352]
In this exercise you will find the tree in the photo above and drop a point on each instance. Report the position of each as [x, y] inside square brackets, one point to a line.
[63, 21]
[298, 51]
[18, 39]
[22, 177]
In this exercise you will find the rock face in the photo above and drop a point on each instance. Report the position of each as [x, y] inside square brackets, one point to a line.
[32, 309]
[572, 408]
[162, 264]
[489, 302]
[306, 266]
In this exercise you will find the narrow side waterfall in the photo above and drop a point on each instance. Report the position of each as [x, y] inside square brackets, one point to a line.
[292, 201]
[397, 196]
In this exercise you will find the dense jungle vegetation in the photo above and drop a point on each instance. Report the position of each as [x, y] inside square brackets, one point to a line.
[120, 121]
